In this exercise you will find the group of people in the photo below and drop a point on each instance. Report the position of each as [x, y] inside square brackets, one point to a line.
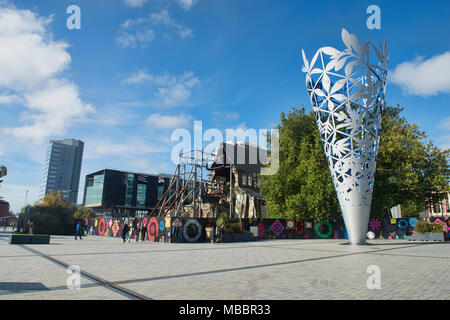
[139, 232]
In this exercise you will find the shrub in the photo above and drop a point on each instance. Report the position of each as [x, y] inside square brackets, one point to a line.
[437, 227]
[233, 228]
[422, 226]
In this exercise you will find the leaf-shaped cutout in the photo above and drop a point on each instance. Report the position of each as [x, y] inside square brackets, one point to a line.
[330, 65]
[338, 85]
[316, 70]
[331, 51]
[313, 61]
[346, 38]
[339, 97]
[355, 44]
[326, 82]
[305, 61]
[349, 67]
[319, 93]
[340, 63]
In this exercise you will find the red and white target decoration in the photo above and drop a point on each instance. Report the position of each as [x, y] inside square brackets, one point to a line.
[115, 228]
[152, 229]
[277, 227]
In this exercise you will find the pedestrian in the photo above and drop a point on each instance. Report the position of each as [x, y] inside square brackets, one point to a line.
[78, 231]
[220, 232]
[136, 233]
[143, 231]
[125, 230]
[30, 227]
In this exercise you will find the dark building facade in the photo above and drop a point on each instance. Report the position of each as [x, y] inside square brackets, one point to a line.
[124, 194]
[4, 209]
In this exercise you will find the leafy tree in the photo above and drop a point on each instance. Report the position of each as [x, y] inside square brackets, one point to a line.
[84, 213]
[409, 170]
[302, 187]
[53, 214]
[3, 172]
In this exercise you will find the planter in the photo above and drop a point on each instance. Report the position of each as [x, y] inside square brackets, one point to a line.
[29, 239]
[428, 236]
[239, 237]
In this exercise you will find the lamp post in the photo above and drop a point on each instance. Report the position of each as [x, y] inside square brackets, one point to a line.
[346, 89]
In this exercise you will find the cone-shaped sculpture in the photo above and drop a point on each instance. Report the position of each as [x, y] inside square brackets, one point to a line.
[346, 89]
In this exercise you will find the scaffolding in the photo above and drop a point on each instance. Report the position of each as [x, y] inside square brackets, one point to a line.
[189, 186]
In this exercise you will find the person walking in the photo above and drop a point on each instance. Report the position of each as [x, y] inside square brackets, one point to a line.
[143, 231]
[136, 233]
[125, 230]
[220, 232]
[78, 231]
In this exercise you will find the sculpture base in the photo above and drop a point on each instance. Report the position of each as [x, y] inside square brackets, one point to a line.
[356, 220]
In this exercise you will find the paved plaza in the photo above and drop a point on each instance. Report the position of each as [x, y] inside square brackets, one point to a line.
[270, 269]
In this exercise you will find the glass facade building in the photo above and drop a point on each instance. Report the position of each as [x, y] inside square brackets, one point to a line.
[123, 194]
[63, 168]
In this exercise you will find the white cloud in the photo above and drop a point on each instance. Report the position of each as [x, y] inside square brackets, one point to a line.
[141, 31]
[96, 149]
[31, 63]
[424, 77]
[50, 110]
[10, 99]
[163, 18]
[29, 55]
[187, 4]
[135, 3]
[171, 90]
[159, 121]
[444, 124]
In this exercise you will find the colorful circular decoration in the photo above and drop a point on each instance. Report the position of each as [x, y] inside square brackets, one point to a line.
[250, 220]
[412, 222]
[152, 229]
[115, 228]
[374, 224]
[101, 227]
[402, 223]
[299, 226]
[277, 228]
[161, 225]
[321, 233]
[167, 222]
[308, 225]
[95, 223]
[110, 223]
[192, 230]
[370, 235]
[177, 223]
[144, 221]
[290, 224]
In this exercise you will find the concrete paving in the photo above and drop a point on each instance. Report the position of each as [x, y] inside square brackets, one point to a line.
[271, 269]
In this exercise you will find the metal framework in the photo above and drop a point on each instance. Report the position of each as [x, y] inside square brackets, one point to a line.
[188, 186]
[348, 106]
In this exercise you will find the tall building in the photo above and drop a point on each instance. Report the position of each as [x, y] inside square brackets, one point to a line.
[63, 168]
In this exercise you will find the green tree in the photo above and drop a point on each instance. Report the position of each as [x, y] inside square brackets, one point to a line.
[53, 214]
[409, 170]
[3, 172]
[84, 213]
[302, 187]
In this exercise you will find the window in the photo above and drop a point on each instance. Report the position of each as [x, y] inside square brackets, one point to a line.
[160, 192]
[94, 193]
[129, 189]
[249, 180]
[141, 195]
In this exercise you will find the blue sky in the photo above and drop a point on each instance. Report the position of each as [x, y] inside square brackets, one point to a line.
[138, 69]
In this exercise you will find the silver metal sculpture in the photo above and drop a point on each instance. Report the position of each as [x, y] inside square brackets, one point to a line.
[347, 89]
